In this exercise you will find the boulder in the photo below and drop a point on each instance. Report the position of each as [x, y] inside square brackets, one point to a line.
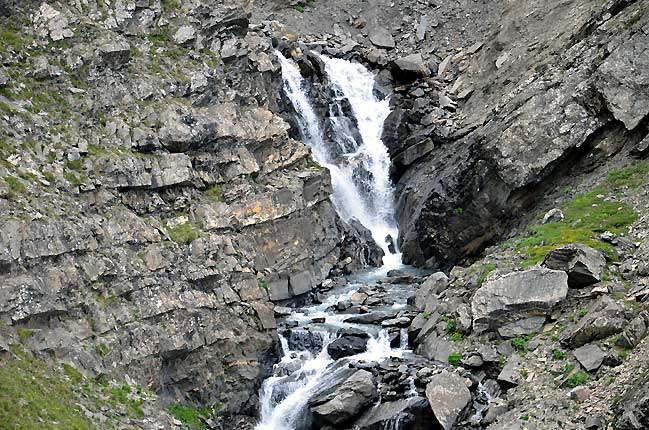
[522, 327]
[510, 375]
[115, 53]
[590, 356]
[410, 68]
[344, 401]
[346, 346]
[372, 317]
[448, 397]
[435, 347]
[604, 318]
[553, 215]
[517, 295]
[634, 332]
[425, 299]
[278, 288]
[407, 412]
[381, 38]
[583, 264]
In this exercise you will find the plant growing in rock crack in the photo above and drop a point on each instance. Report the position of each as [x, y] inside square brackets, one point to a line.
[191, 417]
[519, 343]
[454, 359]
[557, 354]
[451, 329]
[263, 284]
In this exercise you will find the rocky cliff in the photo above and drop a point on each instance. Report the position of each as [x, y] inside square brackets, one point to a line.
[152, 200]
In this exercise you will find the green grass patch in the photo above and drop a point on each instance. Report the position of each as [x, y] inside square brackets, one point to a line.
[630, 177]
[577, 379]
[214, 193]
[519, 343]
[35, 397]
[557, 354]
[451, 330]
[486, 270]
[454, 359]
[190, 417]
[183, 233]
[263, 284]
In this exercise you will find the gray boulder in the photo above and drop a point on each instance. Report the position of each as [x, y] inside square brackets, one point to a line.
[346, 346]
[425, 299]
[516, 296]
[410, 68]
[583, 264]
[382, 38]
[345, 401]
[604, 318]
[448, 397]
[115, 53]
[511, 375]
[407, 412]
[590, 356]
[634, 332]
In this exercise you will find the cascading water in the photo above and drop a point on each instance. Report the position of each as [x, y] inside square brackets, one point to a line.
[359, 164]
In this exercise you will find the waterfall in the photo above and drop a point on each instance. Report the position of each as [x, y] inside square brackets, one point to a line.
[359, 162]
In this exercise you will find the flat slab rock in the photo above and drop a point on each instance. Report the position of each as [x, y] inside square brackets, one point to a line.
[517, 295]
[590, 356]
[447, 396]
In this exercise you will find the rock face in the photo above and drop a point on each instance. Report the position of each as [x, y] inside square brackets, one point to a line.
[515, 129]
[347, 345]
[516, 295]
[605, 318]
[176, 209]
[346, 400]
[447, 396]
[583, 264]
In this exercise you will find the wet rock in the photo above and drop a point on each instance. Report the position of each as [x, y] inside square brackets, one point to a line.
[346, 346]
[407, 412]
[590, 356]
[372, 317]
[345, 401]
[583, 264]
[381, 38]
[517, 295]
[448, 397]
[605, 318]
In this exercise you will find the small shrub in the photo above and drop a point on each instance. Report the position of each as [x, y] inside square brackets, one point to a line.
[519, 343]
[579, 378]
[263, 284]
[557, 354]
[454, 359]
[582, 312]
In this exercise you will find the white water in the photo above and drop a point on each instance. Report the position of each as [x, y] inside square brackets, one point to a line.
[359, 170]
[314, 369]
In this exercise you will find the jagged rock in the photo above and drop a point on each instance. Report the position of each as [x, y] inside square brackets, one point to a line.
[410, 68]
[632, 410]
[435, 347]
[583, 264]
[521, 327]
[346, 346]
[447, 396]
[345, 401]
[53, 23]
[425, 299]
[605, 318]
[634, 332]
[184, 34]
[626, 93]
[115, 53]
[590, 356]
[381, 37]
[517, 295]
[511, 372]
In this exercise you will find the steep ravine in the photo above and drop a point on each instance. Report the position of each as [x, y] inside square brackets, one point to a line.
[168, 234]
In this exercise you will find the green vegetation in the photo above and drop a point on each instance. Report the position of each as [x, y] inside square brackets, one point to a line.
[451, 329]
[636, 17]
[587, 216]
[519, 343]
[190, 417]
[16, 187]
[263, 284]
[183, 233]
[582, 312]
[214, 193]
[122, 395]
[31, 392]
[459, 211]
[454, 359]
[577, 379]
[557, 354]
[301, 7]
